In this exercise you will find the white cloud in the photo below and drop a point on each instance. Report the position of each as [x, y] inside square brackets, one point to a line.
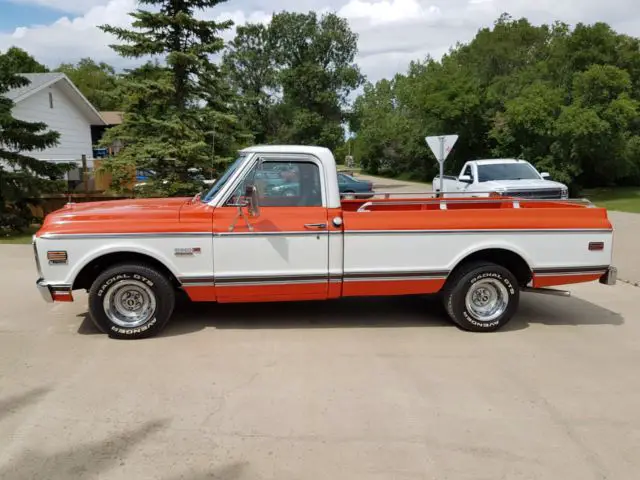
[238, 17]
[389, 11]
[70, 6]
[69, 39]
[391, 32]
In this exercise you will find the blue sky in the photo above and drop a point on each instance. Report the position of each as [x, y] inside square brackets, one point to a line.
[14, 15]
[392, 33]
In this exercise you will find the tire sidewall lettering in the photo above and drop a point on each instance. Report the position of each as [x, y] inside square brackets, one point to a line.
[507, 283]
[109, 282]
[122, 276]
[133, 331]
[511, 289]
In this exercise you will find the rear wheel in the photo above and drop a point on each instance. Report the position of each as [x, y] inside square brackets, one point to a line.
[481, 296]
[131, 301]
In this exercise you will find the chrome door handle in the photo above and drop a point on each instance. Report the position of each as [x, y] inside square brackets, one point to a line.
[315, 225]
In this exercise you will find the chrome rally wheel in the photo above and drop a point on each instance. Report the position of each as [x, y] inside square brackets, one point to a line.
[487, 299]
[481, 296]
[129, 303]
[131, 300]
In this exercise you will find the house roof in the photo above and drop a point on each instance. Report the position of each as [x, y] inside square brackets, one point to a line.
[112, 118]
[40, 81]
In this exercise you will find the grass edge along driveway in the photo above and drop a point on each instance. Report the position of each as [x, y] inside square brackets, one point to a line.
[621, 199]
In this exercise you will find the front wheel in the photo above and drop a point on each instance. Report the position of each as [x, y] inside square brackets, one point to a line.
[131, 301]
[481, 296]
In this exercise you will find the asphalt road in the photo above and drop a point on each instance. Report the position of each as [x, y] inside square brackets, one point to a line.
[361, 389]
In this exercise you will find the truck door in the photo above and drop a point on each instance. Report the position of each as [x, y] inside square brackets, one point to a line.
[283, 254]
[467, 171]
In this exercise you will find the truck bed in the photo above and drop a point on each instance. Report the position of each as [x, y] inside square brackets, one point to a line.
[562, 242]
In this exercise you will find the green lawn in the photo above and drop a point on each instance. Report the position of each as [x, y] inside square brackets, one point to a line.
[24, 238]
[623, 199]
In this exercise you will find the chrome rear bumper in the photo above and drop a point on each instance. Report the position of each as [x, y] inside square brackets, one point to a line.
[610, 277]
[45, 291]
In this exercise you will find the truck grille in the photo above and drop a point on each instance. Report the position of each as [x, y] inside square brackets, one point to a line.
[544, 193]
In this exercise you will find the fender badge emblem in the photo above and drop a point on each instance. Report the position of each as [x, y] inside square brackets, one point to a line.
[181, 252]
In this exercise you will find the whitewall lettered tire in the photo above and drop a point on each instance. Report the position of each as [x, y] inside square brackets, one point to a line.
[481, 296]
[131, 301]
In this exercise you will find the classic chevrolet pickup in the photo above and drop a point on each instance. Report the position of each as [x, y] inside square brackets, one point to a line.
[247, 241]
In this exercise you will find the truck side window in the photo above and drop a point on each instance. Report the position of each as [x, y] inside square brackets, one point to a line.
[467, 171]
[284, 183]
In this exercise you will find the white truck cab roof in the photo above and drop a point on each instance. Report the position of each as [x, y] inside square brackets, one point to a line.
[495, 161]
[271, 149]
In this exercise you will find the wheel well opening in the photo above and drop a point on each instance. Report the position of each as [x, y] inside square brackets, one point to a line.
[505, 258]
[90, 272]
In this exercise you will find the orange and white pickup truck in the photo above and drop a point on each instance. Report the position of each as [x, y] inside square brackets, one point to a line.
[249, 240]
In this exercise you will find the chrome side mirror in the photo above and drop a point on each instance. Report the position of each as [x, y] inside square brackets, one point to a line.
[253, 200]
[545, 175]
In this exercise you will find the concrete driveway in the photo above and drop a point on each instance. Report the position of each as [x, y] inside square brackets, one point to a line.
[626, 245]
[364, 389]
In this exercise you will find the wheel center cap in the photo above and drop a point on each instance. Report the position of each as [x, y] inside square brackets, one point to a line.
[482, 297]
[131, 304]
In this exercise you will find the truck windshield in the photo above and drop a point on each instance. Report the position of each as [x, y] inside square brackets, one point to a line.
[223, 179]
[507, 171]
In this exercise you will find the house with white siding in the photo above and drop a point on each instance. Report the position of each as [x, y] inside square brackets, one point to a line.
[53, 99]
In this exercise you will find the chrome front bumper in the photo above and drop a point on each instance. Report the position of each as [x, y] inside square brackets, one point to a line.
[610, 277]
[44, 290]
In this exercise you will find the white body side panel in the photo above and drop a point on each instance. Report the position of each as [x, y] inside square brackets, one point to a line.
[270, 255]
[420, 251]
[65, 118]
[81, 251]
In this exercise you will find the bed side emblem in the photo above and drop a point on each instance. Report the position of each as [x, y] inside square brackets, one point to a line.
[185, 252]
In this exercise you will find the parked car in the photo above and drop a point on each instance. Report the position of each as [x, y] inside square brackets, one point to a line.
[133, 256]
[508, 177]
[349, 185]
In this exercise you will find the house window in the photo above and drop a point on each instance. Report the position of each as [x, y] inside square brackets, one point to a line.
[50, 100]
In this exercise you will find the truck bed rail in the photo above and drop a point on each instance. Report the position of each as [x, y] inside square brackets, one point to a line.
[436, 198]
[437, 194]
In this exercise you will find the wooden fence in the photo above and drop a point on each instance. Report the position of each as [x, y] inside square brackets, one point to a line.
[48, 203]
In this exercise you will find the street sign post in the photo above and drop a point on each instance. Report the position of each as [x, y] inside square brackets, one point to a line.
[441, 146]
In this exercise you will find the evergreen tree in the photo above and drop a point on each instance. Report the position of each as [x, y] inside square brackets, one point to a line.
[16, 60]
[165, 127]
[21, 176]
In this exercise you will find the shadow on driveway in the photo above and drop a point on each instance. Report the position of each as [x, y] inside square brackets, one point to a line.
[381, 312]
[10, 405]
[91, 459]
